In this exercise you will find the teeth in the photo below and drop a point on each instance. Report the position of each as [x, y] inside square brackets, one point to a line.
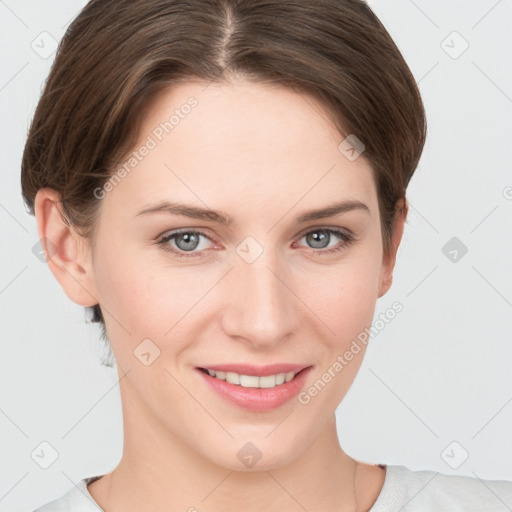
[252, 381]
[231, 377]
[247, 381]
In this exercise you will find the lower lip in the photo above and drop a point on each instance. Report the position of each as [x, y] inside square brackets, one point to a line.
[257, 399]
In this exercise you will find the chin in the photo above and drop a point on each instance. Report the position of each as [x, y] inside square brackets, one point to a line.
[260, 453]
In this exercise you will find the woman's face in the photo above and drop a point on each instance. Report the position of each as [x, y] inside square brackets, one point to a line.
[266, 289]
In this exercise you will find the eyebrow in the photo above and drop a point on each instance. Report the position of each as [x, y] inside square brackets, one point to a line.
[223, 218]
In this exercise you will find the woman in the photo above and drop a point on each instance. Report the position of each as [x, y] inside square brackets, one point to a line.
[223, 183]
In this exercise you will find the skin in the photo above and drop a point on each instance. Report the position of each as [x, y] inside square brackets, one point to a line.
[263, 155]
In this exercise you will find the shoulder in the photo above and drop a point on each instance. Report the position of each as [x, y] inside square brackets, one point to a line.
[76, 498]
[418, 491]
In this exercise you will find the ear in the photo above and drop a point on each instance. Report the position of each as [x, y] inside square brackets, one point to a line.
[388, 260]
[66, 252]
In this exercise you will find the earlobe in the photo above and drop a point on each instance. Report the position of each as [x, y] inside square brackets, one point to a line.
[388, 261]
[66, 252]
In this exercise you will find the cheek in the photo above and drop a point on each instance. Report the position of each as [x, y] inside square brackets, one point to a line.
[343, 297]
[147, 298]
[124, 292]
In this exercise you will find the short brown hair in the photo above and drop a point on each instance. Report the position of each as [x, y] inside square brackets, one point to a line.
[117, 54]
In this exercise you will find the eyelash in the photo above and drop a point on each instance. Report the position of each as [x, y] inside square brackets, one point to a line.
[342, 235]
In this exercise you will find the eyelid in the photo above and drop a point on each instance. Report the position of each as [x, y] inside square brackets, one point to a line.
[180, 231]
[307, 230]
[347, 239]
[204, 232]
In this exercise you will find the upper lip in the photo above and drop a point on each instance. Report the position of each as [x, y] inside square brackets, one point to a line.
[259, 371]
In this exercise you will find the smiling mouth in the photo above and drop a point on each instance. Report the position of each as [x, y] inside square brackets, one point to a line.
[253, 381]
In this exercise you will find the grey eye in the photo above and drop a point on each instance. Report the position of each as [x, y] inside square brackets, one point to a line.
[319, 238]
[187, 241]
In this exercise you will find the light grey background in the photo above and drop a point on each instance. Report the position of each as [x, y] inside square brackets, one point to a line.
[438, 373]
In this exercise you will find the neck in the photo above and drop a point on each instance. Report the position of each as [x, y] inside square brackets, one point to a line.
[158, 470]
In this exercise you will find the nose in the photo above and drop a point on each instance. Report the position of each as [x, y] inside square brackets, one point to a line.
[259, 306]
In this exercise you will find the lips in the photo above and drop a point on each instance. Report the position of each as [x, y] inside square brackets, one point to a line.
[258, 371]
[256, 399]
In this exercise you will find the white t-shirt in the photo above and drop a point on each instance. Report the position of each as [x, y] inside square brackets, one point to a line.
[404, 490]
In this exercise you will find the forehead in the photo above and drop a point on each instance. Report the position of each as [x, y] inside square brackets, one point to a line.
[241, 144]
[249, 113]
